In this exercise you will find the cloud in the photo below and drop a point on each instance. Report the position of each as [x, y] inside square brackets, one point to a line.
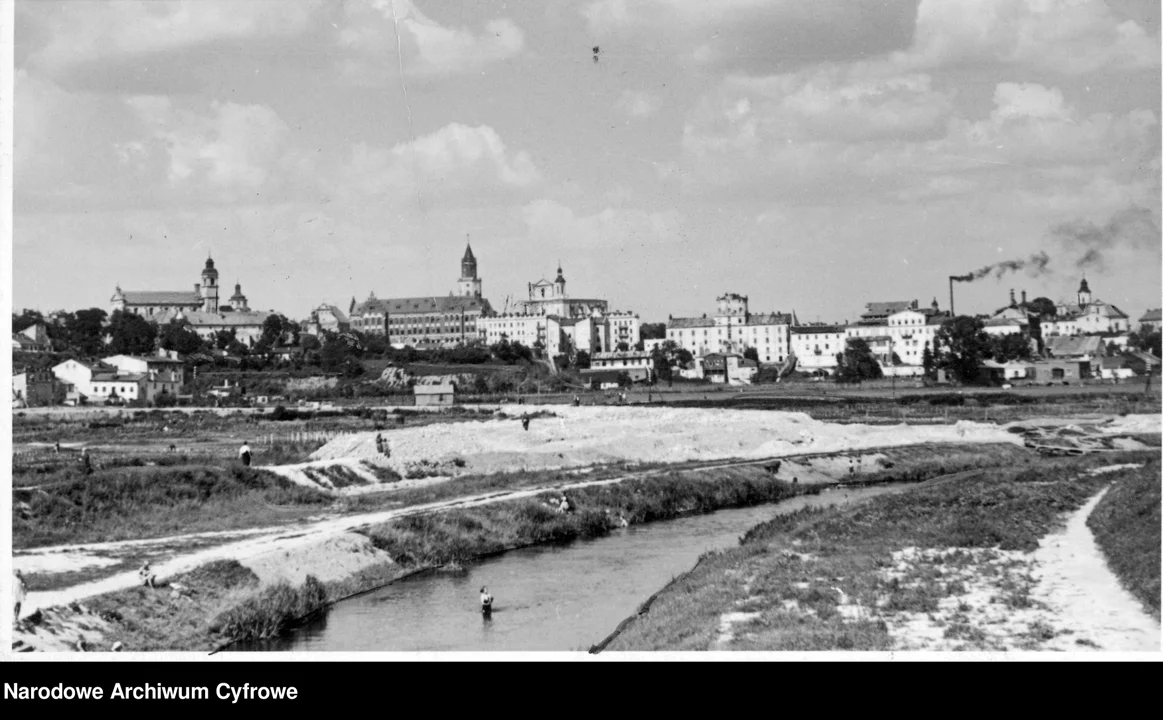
[1065, 36]
[376, 34]
[82, 33]
[637, 104]
[226, 147]
[455, 157]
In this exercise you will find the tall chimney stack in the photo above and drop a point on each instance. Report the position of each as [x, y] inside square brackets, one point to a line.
[951, 313]
[1023, 297]
[1013, 302]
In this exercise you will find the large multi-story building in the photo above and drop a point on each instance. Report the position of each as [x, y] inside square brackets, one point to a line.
[550, 319]
[732, 330]
[902, 329]
[431, 321]
[815, 346]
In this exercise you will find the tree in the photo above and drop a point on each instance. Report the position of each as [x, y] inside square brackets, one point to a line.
[666, 356]
[130, 334]
[622, 347]
[927, 361]
[25, 320]
[624, 379]
[652, 331]
[896, 359]
[751, 354]
[272, 331]
[858, 363]
[640, 346]
[177, 336]
[1036, 332]
[223, 339]
[582, 361]
[1043, 306]
[1004, 348]
[964, 345]
[86, 331]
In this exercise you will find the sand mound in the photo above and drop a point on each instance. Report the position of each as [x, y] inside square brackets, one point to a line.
[588, 435]
[334, 558]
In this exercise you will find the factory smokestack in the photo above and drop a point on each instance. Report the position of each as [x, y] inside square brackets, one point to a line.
[952, 279]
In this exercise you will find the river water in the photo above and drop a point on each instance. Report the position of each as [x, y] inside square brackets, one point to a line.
[547, 598]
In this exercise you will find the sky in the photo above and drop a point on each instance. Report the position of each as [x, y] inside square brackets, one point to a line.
[813, 156]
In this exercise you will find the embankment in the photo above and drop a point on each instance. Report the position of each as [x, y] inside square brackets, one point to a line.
[952, 566]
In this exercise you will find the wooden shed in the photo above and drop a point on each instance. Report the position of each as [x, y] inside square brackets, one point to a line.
[435, 394]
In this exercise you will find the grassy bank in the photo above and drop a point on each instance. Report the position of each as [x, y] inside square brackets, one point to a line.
[1126, 526]
[135, 502]
[462, 534]
[829, 579]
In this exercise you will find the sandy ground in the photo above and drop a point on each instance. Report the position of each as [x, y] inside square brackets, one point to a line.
[1074, 602]
[585, 436]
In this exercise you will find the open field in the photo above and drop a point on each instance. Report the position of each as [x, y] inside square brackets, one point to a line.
[968, 565]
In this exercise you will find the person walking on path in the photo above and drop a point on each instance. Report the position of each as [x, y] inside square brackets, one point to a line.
[525, 422]
[19, 591]
[86, 462]
[244, 454]
[379, 443]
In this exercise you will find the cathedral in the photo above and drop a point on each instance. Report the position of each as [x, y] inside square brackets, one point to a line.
[202, 308]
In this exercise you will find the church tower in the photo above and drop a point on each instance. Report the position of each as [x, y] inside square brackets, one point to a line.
[559, 283]
[1083, 294]
[209, 287]
[238, 300]
[469, 284]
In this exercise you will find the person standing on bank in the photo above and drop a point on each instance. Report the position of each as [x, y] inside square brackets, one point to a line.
[244, 454]
[19, 591]
[486, 601]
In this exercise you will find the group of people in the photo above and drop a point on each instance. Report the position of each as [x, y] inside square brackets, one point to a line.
[382, 446]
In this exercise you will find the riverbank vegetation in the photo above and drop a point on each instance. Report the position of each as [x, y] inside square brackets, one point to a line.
[838, 579]
[128, 503]
[460, 535]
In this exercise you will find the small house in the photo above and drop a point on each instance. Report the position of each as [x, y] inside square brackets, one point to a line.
[435, 394]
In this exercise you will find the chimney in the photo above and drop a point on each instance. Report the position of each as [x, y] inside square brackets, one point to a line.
[1013, 303]
[951, 313]
[197, 288]
[1023, 297]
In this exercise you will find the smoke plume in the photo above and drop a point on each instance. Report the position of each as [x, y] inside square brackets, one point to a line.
[1134, 228]
[1035, 265]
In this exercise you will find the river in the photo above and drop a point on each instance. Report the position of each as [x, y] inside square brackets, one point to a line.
[563, 597]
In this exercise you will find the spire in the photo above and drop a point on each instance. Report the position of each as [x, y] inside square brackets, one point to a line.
[468, 256]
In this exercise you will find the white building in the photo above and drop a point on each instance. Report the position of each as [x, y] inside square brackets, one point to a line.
[101, 383]
[638, 361]
[816, 346]
[903, 329]
[160, 375]
[732, 330]
[1087, 316]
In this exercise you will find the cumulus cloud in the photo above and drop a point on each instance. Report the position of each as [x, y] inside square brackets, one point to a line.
[228, 146]
[1068, 36]
[377, 33]
[85, 32]
[455, 156]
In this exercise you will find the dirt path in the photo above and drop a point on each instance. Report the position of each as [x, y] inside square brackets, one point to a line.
[1086, 597]
[1073, 602]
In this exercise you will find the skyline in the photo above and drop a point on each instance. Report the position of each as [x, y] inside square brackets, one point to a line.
[820, 152]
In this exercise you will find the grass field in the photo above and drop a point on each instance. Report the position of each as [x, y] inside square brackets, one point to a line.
[793, 581]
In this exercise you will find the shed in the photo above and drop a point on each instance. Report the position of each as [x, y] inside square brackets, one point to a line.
[435, 394]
